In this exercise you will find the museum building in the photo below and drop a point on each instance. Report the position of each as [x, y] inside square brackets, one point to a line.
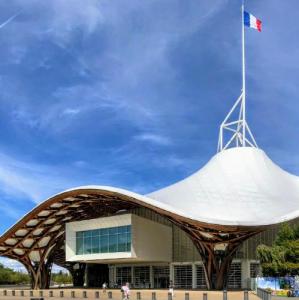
[201, 232]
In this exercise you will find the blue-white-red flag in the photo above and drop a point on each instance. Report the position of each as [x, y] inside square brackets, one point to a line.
[251, 21]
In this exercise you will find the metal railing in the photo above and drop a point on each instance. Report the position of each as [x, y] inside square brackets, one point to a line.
[264, 294]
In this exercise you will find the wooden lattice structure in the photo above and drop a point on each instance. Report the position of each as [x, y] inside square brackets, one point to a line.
[37, 240]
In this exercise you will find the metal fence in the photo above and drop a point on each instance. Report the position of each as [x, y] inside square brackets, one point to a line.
[264, 294]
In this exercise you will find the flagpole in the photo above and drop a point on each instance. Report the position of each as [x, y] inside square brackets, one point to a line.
[243, 79]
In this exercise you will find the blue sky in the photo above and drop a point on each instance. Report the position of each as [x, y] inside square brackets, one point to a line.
[131, 93]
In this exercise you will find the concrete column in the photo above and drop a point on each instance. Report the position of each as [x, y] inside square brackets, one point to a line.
[132, 276]
[171, 273]
[152, 277]
[245, 273]
[86, 276]
[112, 276]
[193, 276]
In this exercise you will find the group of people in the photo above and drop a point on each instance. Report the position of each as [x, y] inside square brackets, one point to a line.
[125, 289]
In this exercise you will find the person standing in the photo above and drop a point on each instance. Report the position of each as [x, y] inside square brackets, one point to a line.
[104, 286]
[171, 289]
[126, 291]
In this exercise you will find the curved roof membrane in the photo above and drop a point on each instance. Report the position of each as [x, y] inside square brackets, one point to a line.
[238, 186]
[235, 195]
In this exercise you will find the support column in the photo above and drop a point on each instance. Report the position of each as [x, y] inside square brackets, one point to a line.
[171, 273]
[245, 273]
[216, 264]
[132, 277]
[152, 277]
[193, 276]
[40, 275]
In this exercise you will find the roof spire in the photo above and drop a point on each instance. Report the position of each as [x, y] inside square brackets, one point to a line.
[240, 133]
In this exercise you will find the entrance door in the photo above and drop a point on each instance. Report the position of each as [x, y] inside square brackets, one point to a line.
[161, 277]
[97, 274]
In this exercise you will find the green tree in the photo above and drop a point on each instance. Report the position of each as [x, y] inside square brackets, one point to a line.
[61, 278]
[9, 276]
[283, 257]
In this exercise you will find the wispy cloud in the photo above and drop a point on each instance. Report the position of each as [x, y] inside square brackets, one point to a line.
[71, 111]
[29, 180]
[12, 264]
[153, 138]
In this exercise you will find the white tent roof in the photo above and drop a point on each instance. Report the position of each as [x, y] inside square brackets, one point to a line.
[238, 186]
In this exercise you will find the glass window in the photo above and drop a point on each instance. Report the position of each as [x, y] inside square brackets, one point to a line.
[112, 243]
[113, 230]
[104, 240]
[87, 245]
[104, 244]
[79, 234]
[87, 233]
[95, 233]
[95, 244]
[122, 242]
[79, 246]
[104, 231]
[122, 229]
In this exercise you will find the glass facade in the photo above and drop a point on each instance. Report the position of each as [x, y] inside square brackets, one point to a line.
[104, 240]
[123, 275]
[234, 277]
[200, 278]
[161, 277]
[142, 277]
[183, 276]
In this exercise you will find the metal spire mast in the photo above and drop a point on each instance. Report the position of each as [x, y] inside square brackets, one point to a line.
[234, 130]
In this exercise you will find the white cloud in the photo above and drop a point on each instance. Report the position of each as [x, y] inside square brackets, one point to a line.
[12, 264]
[29, 180]
[154, 138]
[71, 111]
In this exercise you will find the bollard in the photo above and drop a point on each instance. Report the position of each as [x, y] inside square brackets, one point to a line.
[269, 295]
[50, 293]
[61, 294]
[187, 296]
[110, 295]
[169, 296]
[31, 293]
[153, 296]
[73, 294]
[97, 295]
[224, 295]
[5, 293]
[22, 293]
[138, 296]
[40, 293]
[245, 295]
[13, 293]
[205, 296]
[84, 294]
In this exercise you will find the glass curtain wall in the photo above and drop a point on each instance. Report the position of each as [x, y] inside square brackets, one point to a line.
[104, 240]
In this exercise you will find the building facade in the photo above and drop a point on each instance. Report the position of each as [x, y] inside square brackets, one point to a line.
[148, 251]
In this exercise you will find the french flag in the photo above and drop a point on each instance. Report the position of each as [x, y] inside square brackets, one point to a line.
[251, 21]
